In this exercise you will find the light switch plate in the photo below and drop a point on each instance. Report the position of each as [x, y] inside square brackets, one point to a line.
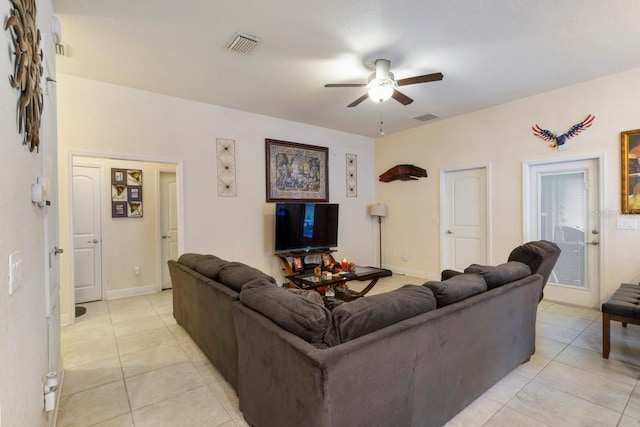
[626, 224]
[15, 271]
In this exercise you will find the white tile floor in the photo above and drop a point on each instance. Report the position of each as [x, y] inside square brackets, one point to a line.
[129, 364]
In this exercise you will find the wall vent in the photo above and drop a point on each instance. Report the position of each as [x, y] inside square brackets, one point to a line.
[426, 117]
[242, 43]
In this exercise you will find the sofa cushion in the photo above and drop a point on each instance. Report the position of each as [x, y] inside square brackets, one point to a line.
[310, 294]
[235, 275]
[368, 314]
[189, 259]
[498, 275]
[209, 265]
[457, 288]
[540, 256]
[295, 313]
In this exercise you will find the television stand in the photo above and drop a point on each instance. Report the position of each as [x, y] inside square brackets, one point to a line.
[295, 262]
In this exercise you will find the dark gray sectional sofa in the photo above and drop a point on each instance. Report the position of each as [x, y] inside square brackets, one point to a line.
[415, 356]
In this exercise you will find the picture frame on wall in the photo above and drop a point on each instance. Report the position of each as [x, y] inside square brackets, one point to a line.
[297, 172]
[630, 167]
[118, 176]
[126, 193]
[119, 210]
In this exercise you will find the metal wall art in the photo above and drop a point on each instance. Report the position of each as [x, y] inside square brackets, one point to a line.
[559, 142]
[27, 69]
[352, 175]
[226, 162]
[126, 193]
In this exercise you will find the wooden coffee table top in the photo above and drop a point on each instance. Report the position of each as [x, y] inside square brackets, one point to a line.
[310, 281]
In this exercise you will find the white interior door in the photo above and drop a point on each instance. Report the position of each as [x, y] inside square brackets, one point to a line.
[169, 223]
[562, 196]
[465, 216]
[87, 233]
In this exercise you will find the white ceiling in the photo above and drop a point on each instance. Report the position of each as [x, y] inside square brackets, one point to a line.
[490, 52]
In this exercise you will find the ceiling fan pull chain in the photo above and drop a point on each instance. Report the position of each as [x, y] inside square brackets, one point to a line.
[381, 131]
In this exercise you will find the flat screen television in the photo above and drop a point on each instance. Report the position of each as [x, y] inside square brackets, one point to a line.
[306, 227]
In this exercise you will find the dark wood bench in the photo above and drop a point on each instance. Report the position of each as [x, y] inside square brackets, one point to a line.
[624, 307]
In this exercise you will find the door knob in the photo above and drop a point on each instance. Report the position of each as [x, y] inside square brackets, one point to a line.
[93, 241]
[449, 232]
[164, 236]
[57, 250]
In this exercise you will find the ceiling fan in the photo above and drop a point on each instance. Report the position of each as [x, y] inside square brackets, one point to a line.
[382, 85]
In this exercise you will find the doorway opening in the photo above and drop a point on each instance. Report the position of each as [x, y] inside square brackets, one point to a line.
[131, 253]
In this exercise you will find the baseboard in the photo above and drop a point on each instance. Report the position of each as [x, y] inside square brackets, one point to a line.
[65, 319]
[411, 272]
[130, 292]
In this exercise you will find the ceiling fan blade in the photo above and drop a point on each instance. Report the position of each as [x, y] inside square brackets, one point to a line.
[359, 100]
[420, 79]
[346, 85]
[401, 98]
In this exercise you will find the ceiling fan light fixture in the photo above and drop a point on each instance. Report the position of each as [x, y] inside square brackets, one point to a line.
[380, 93]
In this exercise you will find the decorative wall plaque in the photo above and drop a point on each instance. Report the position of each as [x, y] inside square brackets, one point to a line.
[126, 193]
[226, 161]
[27, 69]
[352, 175]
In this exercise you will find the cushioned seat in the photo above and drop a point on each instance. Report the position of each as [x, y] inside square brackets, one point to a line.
[624, 307]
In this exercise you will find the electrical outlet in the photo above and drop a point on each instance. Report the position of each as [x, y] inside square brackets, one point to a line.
[136, 271]
[405, 257]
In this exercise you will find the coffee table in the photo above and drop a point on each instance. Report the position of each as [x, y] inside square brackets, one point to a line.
[309, 281]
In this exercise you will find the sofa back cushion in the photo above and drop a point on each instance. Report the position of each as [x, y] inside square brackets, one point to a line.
[207, 265]
[295, 313]
[190, 259]
[368, 314]
[235, 275]
[457, 288]
[540, 256]
[498, 275]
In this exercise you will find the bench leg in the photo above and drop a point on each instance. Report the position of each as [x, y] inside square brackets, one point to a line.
[606, 335]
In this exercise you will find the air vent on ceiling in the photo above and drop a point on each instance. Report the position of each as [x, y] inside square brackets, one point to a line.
[426, 117]
[242, 43]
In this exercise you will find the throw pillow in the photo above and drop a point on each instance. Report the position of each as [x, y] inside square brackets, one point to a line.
[295, 313]
[368, 314]
[498, 275]
[457, 288]
[235, 275]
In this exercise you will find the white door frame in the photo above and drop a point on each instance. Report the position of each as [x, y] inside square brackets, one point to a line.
[115, 156]
[443, 208]
[526, 206]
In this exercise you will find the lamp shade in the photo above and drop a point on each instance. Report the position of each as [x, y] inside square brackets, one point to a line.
[378, 210]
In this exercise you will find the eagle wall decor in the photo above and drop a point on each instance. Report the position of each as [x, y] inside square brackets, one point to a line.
[560, 142]
[27, 69]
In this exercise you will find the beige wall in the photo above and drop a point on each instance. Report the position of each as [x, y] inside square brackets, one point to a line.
[23, 325]
[501, 138]
[98, 119]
